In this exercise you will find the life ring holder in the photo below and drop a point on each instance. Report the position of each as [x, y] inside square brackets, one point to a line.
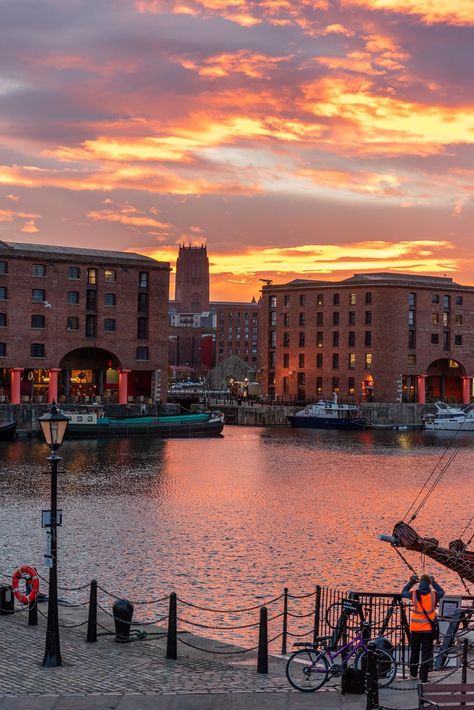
[32, 573]
[31, 375]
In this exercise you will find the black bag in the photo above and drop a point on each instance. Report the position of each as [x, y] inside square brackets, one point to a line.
[352, 681]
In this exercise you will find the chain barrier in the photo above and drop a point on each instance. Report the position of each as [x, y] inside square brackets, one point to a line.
[299, 636]
[228, 611]
[226, 628]
[302, 596]
[227, 653]
[300, 616]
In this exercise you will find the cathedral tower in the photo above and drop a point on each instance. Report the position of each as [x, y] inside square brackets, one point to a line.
[192, 279]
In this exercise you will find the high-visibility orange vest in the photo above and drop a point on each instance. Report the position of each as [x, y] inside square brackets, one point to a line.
[418, 621]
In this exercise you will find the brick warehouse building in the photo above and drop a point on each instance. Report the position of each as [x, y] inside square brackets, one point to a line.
[373, 337]
[81, 323]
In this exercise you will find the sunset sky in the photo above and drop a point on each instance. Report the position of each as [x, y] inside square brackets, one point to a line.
[297, 138]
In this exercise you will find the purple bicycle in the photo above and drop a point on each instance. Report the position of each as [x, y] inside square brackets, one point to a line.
[311, 667]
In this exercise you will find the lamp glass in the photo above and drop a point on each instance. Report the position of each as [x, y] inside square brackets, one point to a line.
[54, 425]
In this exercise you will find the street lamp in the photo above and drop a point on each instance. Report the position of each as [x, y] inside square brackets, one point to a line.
[53, 425]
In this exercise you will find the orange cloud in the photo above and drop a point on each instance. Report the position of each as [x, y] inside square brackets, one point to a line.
[128, 217]
[255, 66]
[456, 12]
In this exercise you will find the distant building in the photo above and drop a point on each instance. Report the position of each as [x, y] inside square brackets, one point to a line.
[192, 280]
[81, 323]
[381, 337]
[237, 331]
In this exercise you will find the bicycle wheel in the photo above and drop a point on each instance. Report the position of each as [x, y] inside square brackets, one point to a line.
[386, 666]
[333, 613]
[307, 670]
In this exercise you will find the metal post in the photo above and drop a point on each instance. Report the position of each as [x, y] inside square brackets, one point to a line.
[465, 651]
[92, 618]
[317, 613]
[52, 654]
[262, 657]
[172, 640]
[284, 635]
[33, 612]
[371, 678]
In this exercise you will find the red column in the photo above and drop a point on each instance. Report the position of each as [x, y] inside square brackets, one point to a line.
[421, 389]
[16, 373]
[123, 386]
[466, 390]
[53, 384]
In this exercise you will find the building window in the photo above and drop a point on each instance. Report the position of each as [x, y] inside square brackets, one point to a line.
[335, 299]
[73, 297]
[352, 318]
[368, 361]
[446, 302]
[285, 385]
[74, 272]
[458, 339]
[273, 318]
[446, 341]
[110, 275]
[273, 302]
[38, 270]
[335, 361]
[368, 318]
[92, 276]
[319, 339]
[142, 353]
[301, 379]
[435, 318]
[302, 300]
[411, 360]
[411, 317]
[351, 338]
[368, 298]
[3, 267]
[3, 320]
[301, 339]
[319, 318]
[412, 339]
[445, 319]
[351, 385]
[272, 339]
[286, 300]
[3, 293]
[352, 361]
[143, 279]
[319, 360]
[143, 303]
[91, 326]
[286, 319]
[319, 385]
[72, 323]
[335, 338]
[434, 298]
[335, 384]
[301, 360]
[411, 300]
[38, 295]
[368, 339]
[110, 299]
[458, 319]
[302, 319]
[458, 300]
[286, 340]
[37, 350]
[286, 360]
[142, 328]
[320, 299]
[335, 318]
[3, 349]
[38, 321]
[434, 338]
[352, 299]
[109, 325]
[91, 299]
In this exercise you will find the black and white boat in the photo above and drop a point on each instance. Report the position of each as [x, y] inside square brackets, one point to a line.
[448, 418]
[7, 431]
[327, 414]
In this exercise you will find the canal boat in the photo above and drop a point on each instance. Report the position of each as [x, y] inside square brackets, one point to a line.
[327, 414]
[447, 418]
[91, 426]
[7, 431]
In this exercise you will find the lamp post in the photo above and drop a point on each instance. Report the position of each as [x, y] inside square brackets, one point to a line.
[53, 425]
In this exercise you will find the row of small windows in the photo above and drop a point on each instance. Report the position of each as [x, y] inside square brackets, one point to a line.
[336, 318]
[351, 339]
[336, 299]
[301, 381]
[74, 273]
[39, 350]
[38, 295]
[73, 323]
[320, 361]
[435, 298]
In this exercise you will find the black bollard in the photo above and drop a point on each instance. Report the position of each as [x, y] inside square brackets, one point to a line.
[262, 657]
[317, 612]
[7, 600]
[371, 678]
[33, 612]
[465, 652]
[92, 618]
[172, 640]
[284, 635]
[123, 612]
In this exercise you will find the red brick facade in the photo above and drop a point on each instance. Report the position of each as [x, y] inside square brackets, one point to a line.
[237, 332]
[375, 337]
[79, 316]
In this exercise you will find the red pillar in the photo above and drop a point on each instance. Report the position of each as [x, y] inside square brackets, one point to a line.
[53, 384]
[421, 389]
[16, 373]
[123, 386]
[466, 390]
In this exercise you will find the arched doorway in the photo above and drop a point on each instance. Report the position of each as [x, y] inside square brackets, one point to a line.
[444, 380]
[87, 374]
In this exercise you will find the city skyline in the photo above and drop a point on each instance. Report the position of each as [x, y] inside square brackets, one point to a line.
[313, 139]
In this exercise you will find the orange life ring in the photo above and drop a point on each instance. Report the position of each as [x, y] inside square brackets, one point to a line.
[26, 571]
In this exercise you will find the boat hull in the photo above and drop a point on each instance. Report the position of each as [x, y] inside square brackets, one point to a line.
[8, 431]
[158, 430]
[467, 425]
[327, 423]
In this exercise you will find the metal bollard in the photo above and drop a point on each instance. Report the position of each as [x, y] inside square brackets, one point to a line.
[284, 635]
[262, 657]
[172, 640]
[371, 678]
[7, 600]
[123, 612]
[92, 617]
[33, 613]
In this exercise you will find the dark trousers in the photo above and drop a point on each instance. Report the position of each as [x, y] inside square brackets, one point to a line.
[421, 640]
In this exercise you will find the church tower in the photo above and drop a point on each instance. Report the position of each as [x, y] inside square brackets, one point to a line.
[192, 279]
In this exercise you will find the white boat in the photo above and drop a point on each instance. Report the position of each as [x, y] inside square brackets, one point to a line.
[328, 415]
[447, 418]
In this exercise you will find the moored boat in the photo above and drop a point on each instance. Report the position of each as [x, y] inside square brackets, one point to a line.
[447, 418]
[7, 431]
[91, 426]
[329, 415]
